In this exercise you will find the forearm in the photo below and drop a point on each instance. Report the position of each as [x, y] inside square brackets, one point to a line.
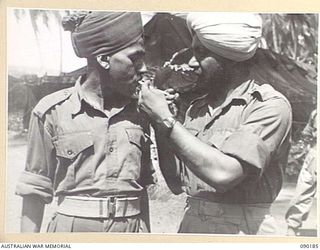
[32, 214]
[208, 163]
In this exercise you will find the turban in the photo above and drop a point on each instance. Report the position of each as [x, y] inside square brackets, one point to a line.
[103, 33]
[234, 36]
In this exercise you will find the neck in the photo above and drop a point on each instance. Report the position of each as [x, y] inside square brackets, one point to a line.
[96, 89]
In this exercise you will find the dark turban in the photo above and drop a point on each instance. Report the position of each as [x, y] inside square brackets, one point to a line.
[103, 33]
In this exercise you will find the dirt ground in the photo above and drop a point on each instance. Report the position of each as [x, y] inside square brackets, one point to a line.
[166, 209]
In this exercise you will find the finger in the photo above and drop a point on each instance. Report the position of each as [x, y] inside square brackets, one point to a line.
[140, 98]
[144, 87]
[170, 91]
[159, 91]
[170, 97]
[169, 102]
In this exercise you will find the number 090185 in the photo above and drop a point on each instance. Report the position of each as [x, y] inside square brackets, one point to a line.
[309, 246]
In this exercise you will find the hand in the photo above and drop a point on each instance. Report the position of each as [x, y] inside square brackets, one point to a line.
[154, 103]
[291, 231]
[171, 96]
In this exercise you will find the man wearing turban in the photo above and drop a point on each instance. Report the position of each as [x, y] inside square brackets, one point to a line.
[230, 153]
[88, 145]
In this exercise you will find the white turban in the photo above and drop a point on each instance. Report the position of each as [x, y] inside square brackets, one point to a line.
[231, 35]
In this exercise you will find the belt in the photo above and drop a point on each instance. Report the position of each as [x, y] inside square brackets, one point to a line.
[90, 207]
[204, 207]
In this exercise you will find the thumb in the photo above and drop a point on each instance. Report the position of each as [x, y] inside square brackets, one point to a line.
[144, 88]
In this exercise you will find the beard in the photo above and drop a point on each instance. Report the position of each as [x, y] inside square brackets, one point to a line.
[214, 81]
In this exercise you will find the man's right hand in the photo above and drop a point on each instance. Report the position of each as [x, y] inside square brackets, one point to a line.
[154, 103]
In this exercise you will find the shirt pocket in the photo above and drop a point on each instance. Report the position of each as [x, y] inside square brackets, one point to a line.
[72, 150]
[133, 153]
[136, 137]
[71, 145]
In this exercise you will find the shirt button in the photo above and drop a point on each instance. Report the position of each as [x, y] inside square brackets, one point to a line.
[69, 152]
[111, 150]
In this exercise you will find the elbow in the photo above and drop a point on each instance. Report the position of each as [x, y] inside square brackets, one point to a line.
[223, 181]
[222, 184]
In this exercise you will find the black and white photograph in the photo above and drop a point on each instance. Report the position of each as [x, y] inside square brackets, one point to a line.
[184, 123]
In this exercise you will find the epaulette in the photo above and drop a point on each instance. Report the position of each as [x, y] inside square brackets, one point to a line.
[47, 102]
[267, 92]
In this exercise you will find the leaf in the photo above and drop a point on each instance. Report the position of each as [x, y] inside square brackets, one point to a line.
[19, 14]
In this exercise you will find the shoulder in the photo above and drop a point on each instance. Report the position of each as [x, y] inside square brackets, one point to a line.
[268, 93]
[49, 101]
[270, 106]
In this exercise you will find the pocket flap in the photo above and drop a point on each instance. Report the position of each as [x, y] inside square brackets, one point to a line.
[136, 136]
[70, 145]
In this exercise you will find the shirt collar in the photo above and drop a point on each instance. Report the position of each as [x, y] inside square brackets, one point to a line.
[78, 98]
[243, 93]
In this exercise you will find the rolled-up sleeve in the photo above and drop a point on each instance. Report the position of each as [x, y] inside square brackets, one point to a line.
[37, 178]
[261, 135]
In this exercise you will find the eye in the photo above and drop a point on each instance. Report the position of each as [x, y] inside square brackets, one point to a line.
[138, 56]
[105, 58]
[137, 59]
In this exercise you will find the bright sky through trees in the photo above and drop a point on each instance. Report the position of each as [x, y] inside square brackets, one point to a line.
[26, 55]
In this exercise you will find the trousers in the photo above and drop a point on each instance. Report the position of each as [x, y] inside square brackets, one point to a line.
[65, 223]
[216, 218]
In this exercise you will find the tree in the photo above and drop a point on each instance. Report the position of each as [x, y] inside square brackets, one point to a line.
[44, 16]
[293, 35]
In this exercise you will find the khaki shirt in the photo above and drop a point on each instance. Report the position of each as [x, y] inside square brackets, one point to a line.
[253, 125]
[76, 149]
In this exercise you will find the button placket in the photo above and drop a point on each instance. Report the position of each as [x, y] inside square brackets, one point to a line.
[111, 152]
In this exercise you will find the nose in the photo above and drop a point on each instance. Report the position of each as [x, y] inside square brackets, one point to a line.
[193, 62]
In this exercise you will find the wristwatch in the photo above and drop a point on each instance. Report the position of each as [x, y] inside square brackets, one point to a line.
[168, 124]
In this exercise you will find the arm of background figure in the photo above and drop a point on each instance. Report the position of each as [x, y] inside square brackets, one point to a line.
[304, 194]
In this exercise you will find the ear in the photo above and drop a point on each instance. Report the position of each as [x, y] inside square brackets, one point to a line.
[103, 60]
